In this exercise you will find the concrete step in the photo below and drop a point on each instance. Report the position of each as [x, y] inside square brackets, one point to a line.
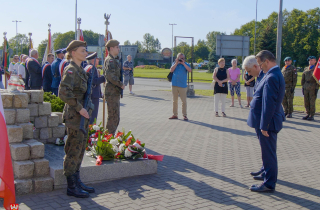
[90, 173]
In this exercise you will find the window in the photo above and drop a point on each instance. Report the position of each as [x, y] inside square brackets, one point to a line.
[132, 49]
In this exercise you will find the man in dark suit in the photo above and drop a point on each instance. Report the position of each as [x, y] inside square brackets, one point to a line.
[97, 80]
[46, 73]
[56, 77]
[35, 71]
[266, 115]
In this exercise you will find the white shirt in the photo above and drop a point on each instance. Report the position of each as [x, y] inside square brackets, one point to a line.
[22, 70]
[13, 66]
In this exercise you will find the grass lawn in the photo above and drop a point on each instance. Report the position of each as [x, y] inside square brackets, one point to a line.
[197, 76]
[298, 101]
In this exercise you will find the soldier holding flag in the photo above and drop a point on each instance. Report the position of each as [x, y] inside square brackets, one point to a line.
[310, 87]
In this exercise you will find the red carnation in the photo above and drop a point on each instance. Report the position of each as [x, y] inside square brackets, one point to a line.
[128, 141]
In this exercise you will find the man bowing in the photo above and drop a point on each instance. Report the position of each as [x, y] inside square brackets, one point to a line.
[266, 116]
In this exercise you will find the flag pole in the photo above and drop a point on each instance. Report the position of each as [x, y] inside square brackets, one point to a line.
[78, 30]
[106, 40]
[5, 58]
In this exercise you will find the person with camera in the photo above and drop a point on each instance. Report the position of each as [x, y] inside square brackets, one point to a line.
[221, 78]
[180, 70]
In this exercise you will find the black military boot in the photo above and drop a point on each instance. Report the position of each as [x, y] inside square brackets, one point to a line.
[74, 189]
[83, 186]
[289, 115]
[306, 117]
[310, 118]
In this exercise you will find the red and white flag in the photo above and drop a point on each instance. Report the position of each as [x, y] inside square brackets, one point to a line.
[80, 35]
[49, 48]
[7, 190]
[316, 72]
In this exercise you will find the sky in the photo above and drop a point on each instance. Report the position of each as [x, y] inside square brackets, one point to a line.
[131, 19]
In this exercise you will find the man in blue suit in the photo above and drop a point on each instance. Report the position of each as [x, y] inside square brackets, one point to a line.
[56, 77]
[266, 115]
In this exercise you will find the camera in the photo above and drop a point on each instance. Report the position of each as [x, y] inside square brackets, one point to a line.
[180, 60]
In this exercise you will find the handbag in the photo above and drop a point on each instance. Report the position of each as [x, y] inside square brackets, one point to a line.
[212, 84]
[170, 76]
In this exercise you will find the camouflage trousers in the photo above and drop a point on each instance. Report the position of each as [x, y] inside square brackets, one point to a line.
[310, 101]
[74, 149]
[113, 105]
[287, 101]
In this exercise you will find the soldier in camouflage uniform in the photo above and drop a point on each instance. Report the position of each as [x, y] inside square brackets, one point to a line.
[72, 90]
[310, 89]
[112, 73]
[290, 75]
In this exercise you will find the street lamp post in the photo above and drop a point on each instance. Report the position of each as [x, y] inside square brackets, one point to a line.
[279, 34]
[16, 32]
[173, 24]
[255, 28]
[75, 31]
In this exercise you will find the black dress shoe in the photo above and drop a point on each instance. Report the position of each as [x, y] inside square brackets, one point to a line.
[310, 118]
[289, 115]
[261, 188]
[306, 117]
[285, 114]
[256, 173]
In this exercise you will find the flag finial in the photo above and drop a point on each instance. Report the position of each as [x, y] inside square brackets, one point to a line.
[4, 34]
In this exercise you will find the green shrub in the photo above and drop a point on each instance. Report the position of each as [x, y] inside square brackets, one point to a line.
[56, 103]
[147, 67]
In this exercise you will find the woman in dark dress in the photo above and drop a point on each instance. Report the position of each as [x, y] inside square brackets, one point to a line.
[221, 77]
[249, 84]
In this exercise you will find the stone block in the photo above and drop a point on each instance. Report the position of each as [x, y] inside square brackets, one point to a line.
[10, 115]
[27, 130]
[36, 133]
[23, 169]
[60, 115]
[23, 116]
[20, 151]
[36, 148]
[58, 132]
[42, 184]
[41, 122]
[34, 110]
[41, 167]
[36, 96]
[32, 119]
[53, 120]
[28, 94]
[45, 108]
[15, 133]
[7, 100]
[44, 141]
[20, 100]
[23, 186]
[45, 133]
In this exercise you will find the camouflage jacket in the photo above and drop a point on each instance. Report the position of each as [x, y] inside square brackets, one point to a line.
[290, 76]
[72, 90]
[112, 73]
[308, 82]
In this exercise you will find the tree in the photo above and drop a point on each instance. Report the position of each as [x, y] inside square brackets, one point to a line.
[184, 48]
[127, 42]
[199, 60]
[148, 41]
[41, 49]
[20, 42]
[201, 51]
[140, 47]
[63, 40]
[268, 40]
[211, 39]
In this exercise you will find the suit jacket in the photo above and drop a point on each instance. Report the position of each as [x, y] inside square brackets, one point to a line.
[35, 72]
[266, 110]
[56, 77]
[47, 77]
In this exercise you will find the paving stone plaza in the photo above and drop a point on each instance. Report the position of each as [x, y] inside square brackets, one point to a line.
[207, 160]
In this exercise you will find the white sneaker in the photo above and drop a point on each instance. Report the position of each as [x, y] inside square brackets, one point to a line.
[131, 92]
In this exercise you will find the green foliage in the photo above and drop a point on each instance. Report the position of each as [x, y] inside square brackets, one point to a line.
[147, 67]
[20, 42]
[150, 44]
[199, 60]
[56, 103]
[211, 39]
[127, 42]
[300, 38]
[201, 51]
[63, 40]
